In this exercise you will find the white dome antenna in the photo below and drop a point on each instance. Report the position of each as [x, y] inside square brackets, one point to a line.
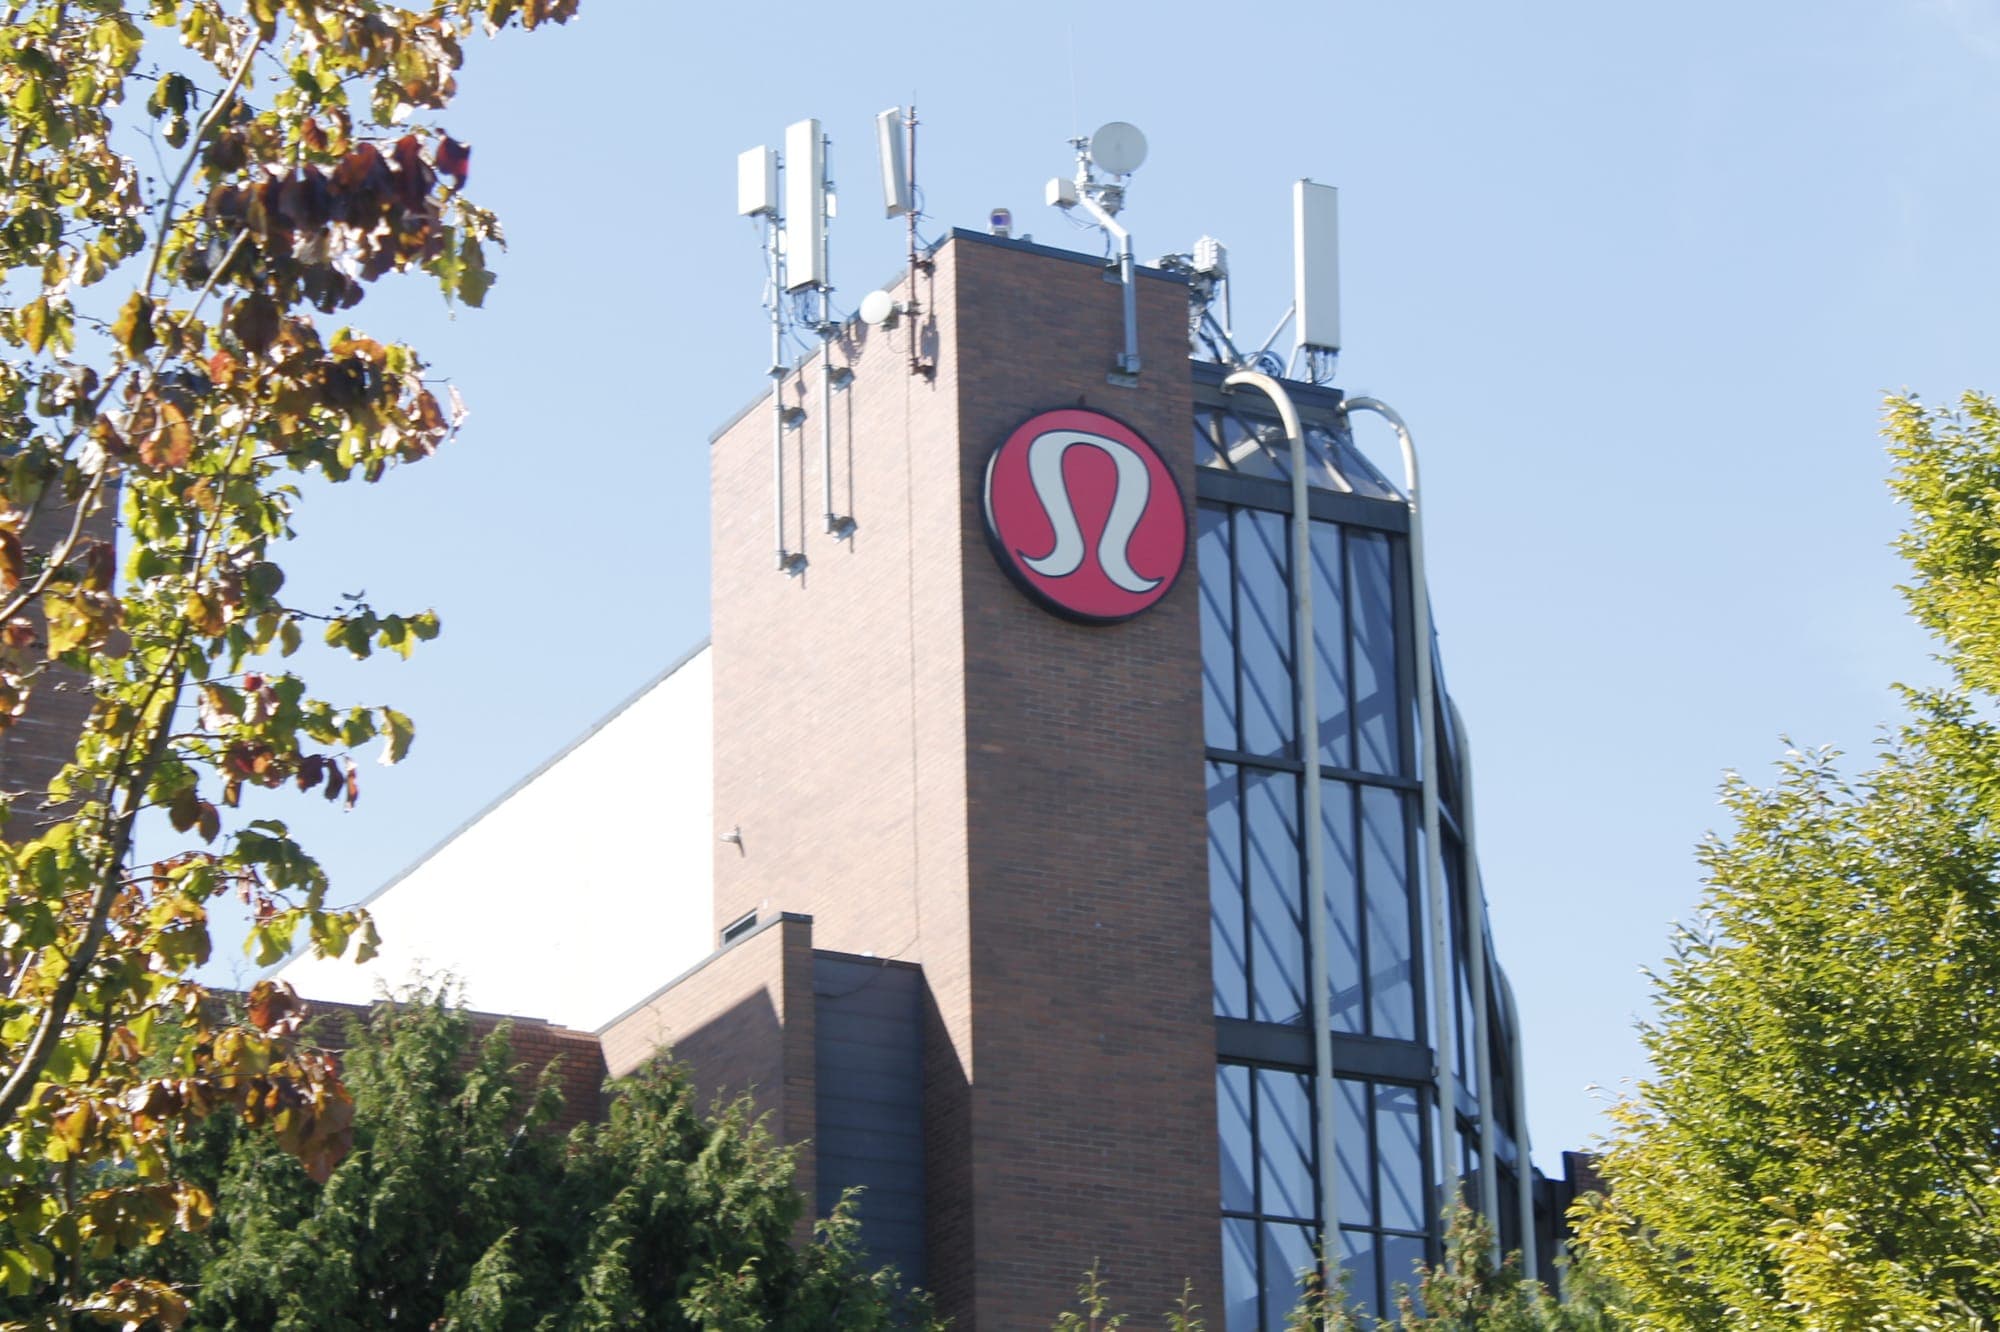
[1118, 148]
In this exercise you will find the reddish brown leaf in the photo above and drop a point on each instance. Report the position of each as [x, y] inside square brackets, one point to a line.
[271, 1002]
[254, 321]
[109, 439]
[13, 561]
[170, 442]
[454, 159]
[100, 566]
[185, 811]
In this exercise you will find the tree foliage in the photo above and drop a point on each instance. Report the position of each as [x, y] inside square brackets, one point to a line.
[178, 354]
[459, 1210]
[1468, 1292]
[1819, 1146]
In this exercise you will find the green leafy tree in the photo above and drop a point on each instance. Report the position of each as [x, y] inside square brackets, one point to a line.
[460, 1210]
[1819, 1145]
[1094, 1312]
[177, 365]
[1468, 1292]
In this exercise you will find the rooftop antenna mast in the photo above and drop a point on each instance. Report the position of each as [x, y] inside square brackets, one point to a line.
[810, 205]
[1117, 150]
[896, 149]
[758, 171]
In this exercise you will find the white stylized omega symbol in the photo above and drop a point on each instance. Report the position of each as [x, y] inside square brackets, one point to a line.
[1128, 505]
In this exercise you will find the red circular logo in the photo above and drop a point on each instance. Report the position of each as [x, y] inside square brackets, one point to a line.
[1085, 515]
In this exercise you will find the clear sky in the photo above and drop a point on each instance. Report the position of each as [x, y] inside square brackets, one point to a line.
[1636, 276]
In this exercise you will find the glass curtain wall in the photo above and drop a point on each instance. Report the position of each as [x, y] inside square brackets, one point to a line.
[1370, 835]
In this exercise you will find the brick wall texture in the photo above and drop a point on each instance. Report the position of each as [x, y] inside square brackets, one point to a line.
[39, 742]
[937, 770]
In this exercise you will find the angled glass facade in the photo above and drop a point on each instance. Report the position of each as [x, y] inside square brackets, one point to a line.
[1387, 1196]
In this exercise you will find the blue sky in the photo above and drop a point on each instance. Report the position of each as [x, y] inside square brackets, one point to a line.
[1636, 278]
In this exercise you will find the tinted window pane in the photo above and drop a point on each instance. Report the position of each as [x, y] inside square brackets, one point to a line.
[1399, 1145]
[1400, 1256]
[1340, 873]
[1355, 1179]
[1277, 918]
[1229, 946]
[1357, 1256]
[1265, 608]
[1288, 1250]
[1239, 1275]
[1239, 1151]
[1218, 627]
[1372, 601]
[1205, 452]
[1330, 646]
[1285, 1140]
[1385, 883]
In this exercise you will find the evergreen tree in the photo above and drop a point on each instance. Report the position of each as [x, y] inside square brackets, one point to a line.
[459, 1210]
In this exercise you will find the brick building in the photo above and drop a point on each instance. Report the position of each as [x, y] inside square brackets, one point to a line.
[996, 899]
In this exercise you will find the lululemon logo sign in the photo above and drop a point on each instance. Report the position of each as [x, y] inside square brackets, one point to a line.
[1085, 515]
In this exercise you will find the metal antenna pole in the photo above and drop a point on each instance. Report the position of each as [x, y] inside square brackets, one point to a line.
[789, 561]
[837, 525]
[911, 307]
[772, 239]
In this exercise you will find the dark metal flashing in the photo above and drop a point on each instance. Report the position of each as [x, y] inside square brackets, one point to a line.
[1271, 1044]
[1321, 404]
[1257, 492]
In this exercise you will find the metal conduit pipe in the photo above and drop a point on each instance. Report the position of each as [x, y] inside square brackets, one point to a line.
[1444, 1005]
[1482, 1042]
[1524, 1161]
[1128, 359]
[1305, 673]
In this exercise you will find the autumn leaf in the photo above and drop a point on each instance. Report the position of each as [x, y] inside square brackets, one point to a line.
[13, 561]
[454, 159]
[134, 327]
[254, 321]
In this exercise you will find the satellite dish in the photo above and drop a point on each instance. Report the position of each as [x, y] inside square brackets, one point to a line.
[1118, 148]
[879, 308]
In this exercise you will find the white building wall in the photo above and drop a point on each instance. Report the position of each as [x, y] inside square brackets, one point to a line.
[636, 906]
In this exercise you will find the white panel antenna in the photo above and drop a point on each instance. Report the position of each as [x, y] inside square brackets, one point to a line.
[895, 166]
[757, 183]
[1316, 265]
[805, 205]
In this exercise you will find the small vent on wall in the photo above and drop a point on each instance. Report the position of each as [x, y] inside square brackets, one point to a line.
[739, 927]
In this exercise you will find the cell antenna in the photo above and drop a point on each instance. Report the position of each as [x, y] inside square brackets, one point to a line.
[895, 166]
[805, 205]
[1316, 275]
